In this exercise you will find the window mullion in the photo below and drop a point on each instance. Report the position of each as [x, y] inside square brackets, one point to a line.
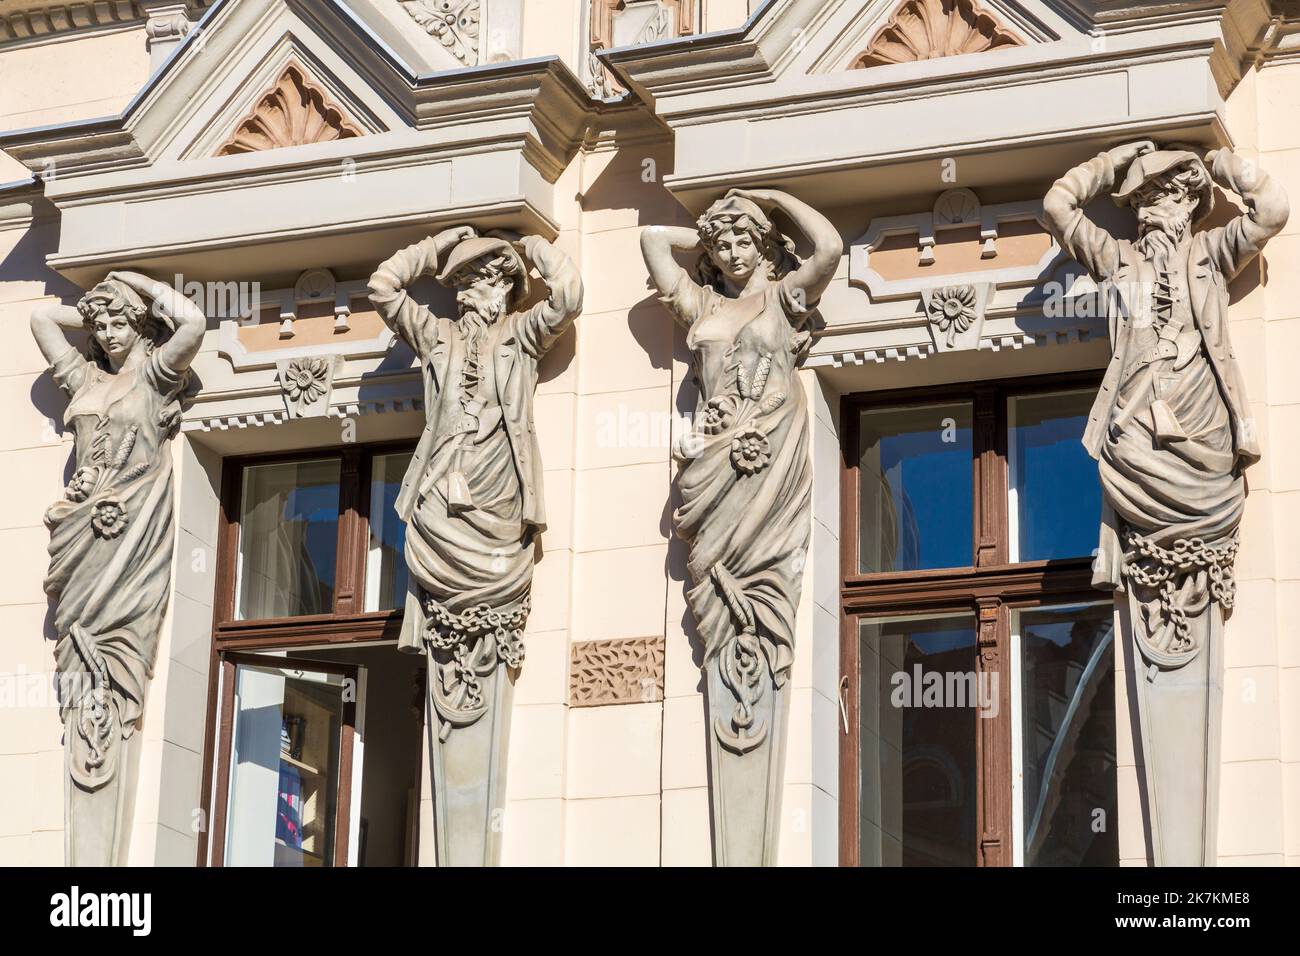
[349, 567]
[989, 483]
[993, 734]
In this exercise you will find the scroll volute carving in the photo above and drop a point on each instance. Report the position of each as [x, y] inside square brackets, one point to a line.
[930, 29]
[294, 112]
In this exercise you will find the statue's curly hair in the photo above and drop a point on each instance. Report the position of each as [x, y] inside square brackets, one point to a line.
[777, 249]
[112, 297]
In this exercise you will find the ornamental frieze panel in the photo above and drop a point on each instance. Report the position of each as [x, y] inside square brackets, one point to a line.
[959, 276]
[616, 671]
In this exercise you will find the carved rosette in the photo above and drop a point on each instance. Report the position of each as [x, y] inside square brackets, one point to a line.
[952, 310]
[306, 383]
[929, 29]
[955, 314]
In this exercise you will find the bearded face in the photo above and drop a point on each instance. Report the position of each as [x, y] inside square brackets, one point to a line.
[483, 291]
[1164, 207]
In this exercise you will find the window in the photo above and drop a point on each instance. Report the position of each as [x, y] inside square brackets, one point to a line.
[310, 593]
[978, 686]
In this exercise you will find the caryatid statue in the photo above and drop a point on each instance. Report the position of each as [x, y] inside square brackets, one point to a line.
[746, 483]
[472, 502]
[1172, 432]
[111, 536]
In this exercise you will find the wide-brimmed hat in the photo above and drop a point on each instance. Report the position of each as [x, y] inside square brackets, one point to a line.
[469, 251]
[1150, 165]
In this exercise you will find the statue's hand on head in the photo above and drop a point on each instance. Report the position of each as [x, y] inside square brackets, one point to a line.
[1122, 156]
[764, 199]
[449, 238]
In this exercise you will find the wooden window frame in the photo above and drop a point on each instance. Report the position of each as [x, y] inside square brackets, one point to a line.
[989, 590]
[230, 662]
[236, 640]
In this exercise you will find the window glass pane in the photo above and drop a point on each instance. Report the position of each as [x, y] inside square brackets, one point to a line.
[1055, 494]
[386, 558]
[1067, 731]
[284, 767]
[919, 694]
[288, 536]
[915, 478]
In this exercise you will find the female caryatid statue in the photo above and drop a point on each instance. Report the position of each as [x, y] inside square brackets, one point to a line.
[1172, 433]
[745, 481]
[111, 535]
[472, 501]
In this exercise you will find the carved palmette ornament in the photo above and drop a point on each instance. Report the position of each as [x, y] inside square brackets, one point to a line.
[294, 112]
[930, 29]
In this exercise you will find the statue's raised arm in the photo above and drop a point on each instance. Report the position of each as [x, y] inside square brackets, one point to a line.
[111, 534]
[745, 480]
[1172, 433]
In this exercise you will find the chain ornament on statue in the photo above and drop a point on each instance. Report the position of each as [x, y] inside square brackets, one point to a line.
[1185, 578]
[465, 648]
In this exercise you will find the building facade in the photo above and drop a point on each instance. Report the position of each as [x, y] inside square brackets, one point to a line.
[833, 594]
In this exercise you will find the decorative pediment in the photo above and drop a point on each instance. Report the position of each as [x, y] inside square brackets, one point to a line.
[294, 112]
[274, 107]
[930, 29]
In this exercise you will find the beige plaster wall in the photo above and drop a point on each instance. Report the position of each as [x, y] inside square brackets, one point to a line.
[68, 78]
[623, 784]
[1259, 820]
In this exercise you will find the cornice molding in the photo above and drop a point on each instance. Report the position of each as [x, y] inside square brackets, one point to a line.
[38, 22]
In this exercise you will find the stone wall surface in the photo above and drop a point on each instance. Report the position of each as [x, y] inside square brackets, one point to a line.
[625, 782]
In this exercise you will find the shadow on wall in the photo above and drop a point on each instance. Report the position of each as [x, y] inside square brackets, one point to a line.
[633, 180]
[25, 264]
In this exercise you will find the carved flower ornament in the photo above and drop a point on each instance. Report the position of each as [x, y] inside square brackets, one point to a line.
[750, 451]
[108, 518]
[718, 414]
[304, 380]
[952, 309]
[82, 484]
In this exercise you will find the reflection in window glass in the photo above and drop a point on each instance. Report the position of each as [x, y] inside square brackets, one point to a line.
[916, 497]
[385, 555]
[284, 767]
[919, 695]
[288, 538]
[1055, 495]
[1067, 737]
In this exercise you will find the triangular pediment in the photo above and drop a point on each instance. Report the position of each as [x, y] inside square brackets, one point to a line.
[886, 33]
[863, 41]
